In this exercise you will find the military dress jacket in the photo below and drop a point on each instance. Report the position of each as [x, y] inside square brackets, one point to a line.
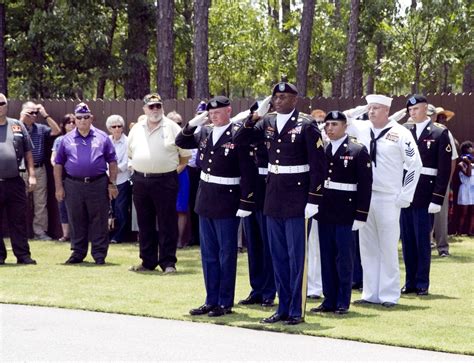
[435, 152]
[223, 160]
[348, 184]
[259, 152]
[299, 143]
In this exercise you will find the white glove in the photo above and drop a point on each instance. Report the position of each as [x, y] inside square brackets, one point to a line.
[264, 106]
[397, 116]
[400, 203]
[240, 116]
[353, 113]
[243, 213]
[198, 120]
[357, 225]
[434, 208]
[310, 210]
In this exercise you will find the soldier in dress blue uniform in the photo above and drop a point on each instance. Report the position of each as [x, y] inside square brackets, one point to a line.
[344, 208]
[225, 193]
[294, 189]
[435, 151]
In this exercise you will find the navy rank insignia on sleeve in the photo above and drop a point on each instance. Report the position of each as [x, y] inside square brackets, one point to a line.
[409, 151]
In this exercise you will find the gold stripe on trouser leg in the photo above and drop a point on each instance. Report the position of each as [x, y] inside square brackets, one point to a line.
[304, 284]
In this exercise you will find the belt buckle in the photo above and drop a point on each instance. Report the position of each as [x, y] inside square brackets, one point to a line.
[276, 169]
[206, 177]
[87, 180]
[326, 184]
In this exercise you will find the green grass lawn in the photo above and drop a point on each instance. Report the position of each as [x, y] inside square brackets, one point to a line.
[442, 321]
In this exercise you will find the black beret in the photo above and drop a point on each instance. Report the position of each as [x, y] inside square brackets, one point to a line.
[285, 87]
[335, 116]
[218, 102]
[415, 99]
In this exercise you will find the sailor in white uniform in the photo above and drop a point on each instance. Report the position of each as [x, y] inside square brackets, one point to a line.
[392, 149]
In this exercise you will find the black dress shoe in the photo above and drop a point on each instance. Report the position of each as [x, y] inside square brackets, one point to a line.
[362, 302]
[314, 297]
[294, 320]
[72, 260]
[219, 311]
[341, 311]
[408, 290]
[275, 318]
[267, 303]
[2, 262]
[26, 261]
[388, 304]
[357, 286]
[250, 300]
[100, 261]
[321, 309]
[422, 292]
[203, 309]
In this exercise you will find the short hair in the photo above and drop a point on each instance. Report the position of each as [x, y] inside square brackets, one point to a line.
[114, 119]
[465, 147]
[28, 104]
[176, 117]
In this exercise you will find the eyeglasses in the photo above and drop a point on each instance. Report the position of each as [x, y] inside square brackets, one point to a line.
[116, 127]
[3, 103]
[32, 113]
[155, 105]
[86, 117]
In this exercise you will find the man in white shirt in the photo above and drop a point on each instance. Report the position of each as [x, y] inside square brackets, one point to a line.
[154, 159]
[391, 148]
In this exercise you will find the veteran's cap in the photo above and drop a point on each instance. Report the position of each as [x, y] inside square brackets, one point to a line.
[152, 99]
[82, 109]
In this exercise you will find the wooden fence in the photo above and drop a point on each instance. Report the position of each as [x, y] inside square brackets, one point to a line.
[130, 110]
[461, 104]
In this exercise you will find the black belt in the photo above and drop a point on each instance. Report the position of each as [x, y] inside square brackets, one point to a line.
[154, 175]
[39, 165]
[87, 179]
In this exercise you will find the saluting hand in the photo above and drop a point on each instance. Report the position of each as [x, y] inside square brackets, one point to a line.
[198, 120]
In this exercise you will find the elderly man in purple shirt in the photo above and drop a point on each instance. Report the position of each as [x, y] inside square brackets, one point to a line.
[82, 159]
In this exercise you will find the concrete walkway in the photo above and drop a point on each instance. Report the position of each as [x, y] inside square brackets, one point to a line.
[30, 333]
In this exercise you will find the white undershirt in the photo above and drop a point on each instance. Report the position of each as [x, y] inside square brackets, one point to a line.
[282, 119]
[336, 143]
[420, 127]
[217, 132]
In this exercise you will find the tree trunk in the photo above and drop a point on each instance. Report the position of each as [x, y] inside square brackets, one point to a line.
[3, 55]
[286, 12]
[336, 83]
[103, 78]
[201, 51]
[304, 46]
[189, 80]
[165, 48]
[352, 48]
[468, 78]
[358, 77]
[137, 82]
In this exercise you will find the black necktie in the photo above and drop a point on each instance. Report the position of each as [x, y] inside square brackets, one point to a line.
[373, 143]
[329, 149]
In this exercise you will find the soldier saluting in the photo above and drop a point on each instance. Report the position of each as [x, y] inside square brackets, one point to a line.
[296, 163]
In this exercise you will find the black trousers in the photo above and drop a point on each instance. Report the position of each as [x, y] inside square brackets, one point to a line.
[13, 201]
[155, 199]
[88, 211]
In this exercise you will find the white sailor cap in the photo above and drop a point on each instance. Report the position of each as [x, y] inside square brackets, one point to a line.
[381, 99]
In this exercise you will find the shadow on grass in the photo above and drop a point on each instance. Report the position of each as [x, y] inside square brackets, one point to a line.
[430, 297]
[88, 264]
[452, 259]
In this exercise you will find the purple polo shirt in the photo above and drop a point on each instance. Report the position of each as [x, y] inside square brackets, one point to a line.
[85, 156]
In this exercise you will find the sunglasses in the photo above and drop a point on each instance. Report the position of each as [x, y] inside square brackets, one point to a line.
[116, 127]
[71, 122]
[156, 105]
[33, 113]
[86, 117]
[3, 103]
